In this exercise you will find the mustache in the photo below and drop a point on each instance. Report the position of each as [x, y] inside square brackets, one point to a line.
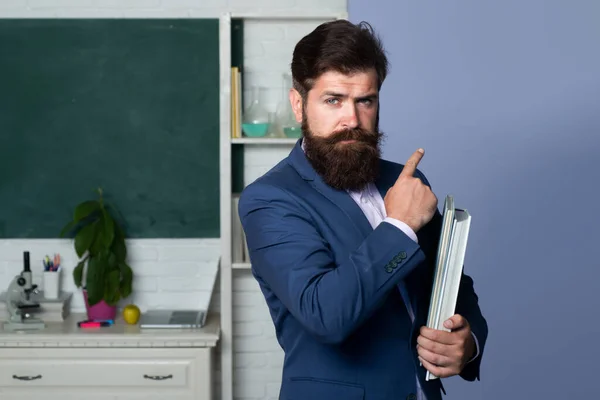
[360, 135]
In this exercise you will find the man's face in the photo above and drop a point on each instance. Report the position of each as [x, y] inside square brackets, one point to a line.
[340, 126]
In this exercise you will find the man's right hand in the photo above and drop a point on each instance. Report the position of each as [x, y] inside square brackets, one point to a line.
[410, 200]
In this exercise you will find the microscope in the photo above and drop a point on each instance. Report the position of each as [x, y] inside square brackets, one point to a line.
[19, 302]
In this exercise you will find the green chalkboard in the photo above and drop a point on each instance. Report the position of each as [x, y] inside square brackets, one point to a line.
[131, 106]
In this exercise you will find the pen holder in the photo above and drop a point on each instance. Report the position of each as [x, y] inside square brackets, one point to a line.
[51, 284]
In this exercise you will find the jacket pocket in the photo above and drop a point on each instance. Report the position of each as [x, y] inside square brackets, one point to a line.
[308, 388]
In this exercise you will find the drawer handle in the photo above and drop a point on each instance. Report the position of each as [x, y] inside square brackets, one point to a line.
[158, 377]
[27, 378]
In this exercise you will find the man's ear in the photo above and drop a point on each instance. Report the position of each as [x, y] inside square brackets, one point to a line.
[296, 102]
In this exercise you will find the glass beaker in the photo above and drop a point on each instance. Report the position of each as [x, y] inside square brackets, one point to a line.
[273, 131]
[286, 119]
[255, 122]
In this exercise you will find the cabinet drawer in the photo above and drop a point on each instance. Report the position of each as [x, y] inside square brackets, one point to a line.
[140, 370]
[64, 372]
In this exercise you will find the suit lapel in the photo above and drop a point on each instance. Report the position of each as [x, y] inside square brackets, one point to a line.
[386, 179]
[343, 200]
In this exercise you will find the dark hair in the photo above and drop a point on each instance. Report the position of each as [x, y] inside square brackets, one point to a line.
[339, 46]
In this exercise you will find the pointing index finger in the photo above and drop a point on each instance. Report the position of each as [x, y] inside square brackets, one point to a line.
[411, 165]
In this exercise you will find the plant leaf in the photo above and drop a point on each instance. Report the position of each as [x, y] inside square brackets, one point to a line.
[95, 278]
[118, 247]
[109, 229]
[112, 261]
[85, 238]
[126, 280]
[78, 272]
[68, 228]
[98, 245]
[111, 288]
[119, 250]
[117, 214]
[85, 209]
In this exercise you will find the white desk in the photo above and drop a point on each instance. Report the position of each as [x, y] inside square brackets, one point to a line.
[120, 362]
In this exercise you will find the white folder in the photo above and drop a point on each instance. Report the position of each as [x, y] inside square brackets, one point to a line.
[449, 266]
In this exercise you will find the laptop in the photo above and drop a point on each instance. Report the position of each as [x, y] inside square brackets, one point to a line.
[173, 319]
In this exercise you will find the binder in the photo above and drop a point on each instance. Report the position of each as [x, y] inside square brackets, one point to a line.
[449, 266]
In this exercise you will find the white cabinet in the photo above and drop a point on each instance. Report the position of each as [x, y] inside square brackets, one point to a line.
[114, 373]
[120, 362]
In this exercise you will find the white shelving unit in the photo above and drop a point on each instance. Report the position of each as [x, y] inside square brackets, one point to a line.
[241, 265]
[226, 143]
[263, 141]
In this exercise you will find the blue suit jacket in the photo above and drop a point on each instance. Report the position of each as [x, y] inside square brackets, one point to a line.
[337, 289]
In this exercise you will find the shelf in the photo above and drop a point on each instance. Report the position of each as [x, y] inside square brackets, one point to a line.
[241, 265]
[247, 140]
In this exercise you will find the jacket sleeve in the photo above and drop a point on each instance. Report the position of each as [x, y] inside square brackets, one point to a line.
[330, 299]
[468, 306]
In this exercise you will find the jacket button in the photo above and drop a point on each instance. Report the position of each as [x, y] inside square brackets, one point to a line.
[411, 396]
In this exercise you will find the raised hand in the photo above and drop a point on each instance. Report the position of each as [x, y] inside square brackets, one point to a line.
[410, 200]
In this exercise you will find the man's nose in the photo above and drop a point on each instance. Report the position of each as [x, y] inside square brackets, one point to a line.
[350, 117]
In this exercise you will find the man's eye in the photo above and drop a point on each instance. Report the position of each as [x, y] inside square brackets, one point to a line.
[332, 101]
[367, 102]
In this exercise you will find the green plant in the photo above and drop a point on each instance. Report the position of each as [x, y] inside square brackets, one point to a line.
[100, 242]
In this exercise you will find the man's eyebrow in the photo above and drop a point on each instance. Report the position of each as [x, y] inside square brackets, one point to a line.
[368, 96]
[329, 93]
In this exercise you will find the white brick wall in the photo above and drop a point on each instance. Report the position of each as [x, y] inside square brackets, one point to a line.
[167, 273]
[171, 273]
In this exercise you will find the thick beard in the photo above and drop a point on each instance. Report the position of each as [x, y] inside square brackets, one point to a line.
[348, 166]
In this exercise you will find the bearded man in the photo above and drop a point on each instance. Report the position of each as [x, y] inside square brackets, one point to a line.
[343, 243]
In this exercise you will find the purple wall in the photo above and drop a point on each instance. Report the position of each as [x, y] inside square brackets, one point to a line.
[505, 99]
